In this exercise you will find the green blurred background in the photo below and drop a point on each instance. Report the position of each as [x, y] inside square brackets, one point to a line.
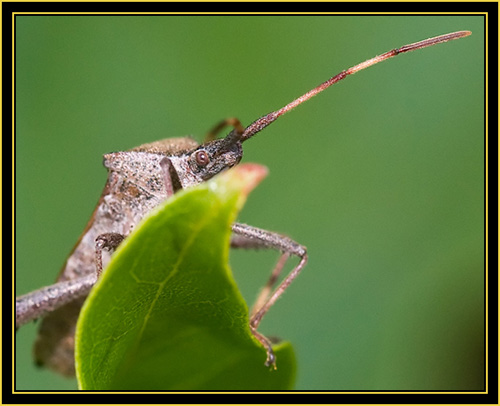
[381, 176]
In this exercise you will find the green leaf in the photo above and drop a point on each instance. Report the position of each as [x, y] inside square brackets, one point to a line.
[167, 314]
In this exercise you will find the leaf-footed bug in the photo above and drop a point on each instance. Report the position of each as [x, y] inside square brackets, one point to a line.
[138, 180]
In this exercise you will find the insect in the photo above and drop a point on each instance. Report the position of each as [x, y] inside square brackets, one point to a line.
[138, 180]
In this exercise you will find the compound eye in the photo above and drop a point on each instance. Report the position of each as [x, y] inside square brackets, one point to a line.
[201, 157]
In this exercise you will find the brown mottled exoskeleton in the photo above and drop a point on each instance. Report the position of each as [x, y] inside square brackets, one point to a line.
[138, 180]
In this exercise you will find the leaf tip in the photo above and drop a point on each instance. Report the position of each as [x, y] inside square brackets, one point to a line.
[248, 176]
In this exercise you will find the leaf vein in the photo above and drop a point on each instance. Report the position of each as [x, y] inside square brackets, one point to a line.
[175, 269]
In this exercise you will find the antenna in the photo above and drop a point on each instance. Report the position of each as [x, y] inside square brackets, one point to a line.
[261, 123]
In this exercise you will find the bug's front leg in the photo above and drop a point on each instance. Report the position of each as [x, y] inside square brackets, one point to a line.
[245, 236]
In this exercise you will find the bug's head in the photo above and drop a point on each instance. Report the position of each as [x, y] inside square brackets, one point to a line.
[213, 157]
[216, 155]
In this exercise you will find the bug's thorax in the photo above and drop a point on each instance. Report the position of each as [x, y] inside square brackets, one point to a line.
[136, 185]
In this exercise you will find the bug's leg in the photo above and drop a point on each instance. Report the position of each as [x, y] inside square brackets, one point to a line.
[233, 122]
[251, 237]
[268, 288]
[38, 303]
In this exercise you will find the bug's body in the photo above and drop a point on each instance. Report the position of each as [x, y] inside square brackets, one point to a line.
[135, 185]
[138, 181]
